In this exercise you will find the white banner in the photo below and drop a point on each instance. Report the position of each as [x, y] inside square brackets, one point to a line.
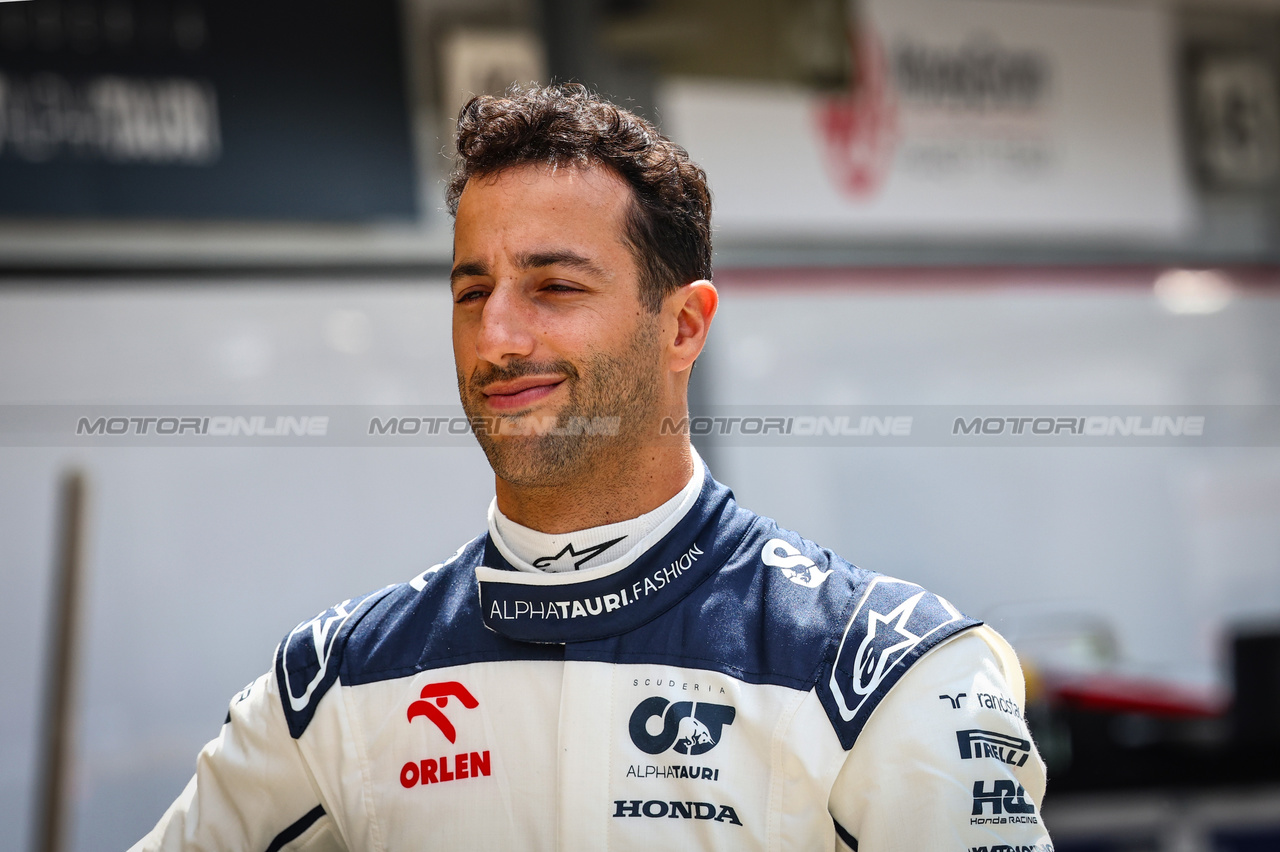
[974, 118]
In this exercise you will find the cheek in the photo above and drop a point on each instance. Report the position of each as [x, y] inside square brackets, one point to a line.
[463, 347]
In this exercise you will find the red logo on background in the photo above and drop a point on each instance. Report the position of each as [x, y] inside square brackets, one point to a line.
[440, 693]
[860, 128]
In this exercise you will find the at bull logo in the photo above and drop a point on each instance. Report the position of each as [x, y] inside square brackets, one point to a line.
[795, 566]
[688, 727]
[440, 693]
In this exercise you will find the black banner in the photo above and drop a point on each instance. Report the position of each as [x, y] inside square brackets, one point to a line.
[204, 109]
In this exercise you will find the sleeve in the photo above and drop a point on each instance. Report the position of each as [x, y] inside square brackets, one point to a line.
[946, 760]
[252, 790]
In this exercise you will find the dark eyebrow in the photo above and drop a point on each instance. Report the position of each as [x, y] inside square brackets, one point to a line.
[558, 257]
[467, 269]
[531, 260]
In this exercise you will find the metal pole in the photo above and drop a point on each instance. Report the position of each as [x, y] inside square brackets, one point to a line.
[58, 719]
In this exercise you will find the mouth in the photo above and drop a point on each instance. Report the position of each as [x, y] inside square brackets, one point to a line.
[520, 393]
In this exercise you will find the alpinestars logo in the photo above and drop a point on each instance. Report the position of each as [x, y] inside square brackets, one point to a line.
[577, 558]
[889, 626]
[886, 640]
[688, 727]
[316, 637]
[795, 566]
[1003, 747]
[441, 692]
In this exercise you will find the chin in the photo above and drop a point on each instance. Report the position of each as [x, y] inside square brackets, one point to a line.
[545, 460]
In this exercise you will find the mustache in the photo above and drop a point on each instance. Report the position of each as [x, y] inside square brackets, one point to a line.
[490, 373]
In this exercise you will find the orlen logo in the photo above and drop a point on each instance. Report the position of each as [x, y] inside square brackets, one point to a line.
[437, 770]
[795, 566]
[441, 692]
[690, 727]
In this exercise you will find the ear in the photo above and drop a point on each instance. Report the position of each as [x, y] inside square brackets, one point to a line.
[693, 306]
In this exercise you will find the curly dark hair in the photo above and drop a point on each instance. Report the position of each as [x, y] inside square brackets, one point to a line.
[669, 224]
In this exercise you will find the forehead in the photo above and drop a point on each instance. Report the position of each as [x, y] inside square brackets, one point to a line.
[540, 202]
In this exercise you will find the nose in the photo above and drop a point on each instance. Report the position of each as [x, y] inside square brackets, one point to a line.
[506, 330]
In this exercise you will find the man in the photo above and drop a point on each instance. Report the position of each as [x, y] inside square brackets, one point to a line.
[627, 659]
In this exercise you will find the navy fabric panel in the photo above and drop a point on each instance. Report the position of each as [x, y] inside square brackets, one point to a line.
[750, 620]
[845, 837]
[621, 602]
[309, 657]
[296, 830]
[761, 604]
[410, 631]
[394, 632]
[894, 625]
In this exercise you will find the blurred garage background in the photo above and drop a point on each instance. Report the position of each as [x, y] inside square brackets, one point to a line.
[935, 220]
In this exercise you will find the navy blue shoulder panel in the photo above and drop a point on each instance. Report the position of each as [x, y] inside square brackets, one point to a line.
[780, 610]
[430, 622]
[785, 611]
[308, 658]
[755, 621]
[893, 625]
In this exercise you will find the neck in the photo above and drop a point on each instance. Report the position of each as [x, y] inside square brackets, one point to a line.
[614, 490]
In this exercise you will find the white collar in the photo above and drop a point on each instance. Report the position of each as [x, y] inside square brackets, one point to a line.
[612, 546]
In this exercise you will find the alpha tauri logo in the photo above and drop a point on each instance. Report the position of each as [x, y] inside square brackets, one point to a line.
[688, 727]
[795, 566]
[436, 695]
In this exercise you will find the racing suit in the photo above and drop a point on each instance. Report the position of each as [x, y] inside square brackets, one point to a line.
[731, 687]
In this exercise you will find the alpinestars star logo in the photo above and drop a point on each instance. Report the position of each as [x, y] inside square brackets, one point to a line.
[688, 727]
[892, 625]
[440, 693]
[885, 641]
[578, 558]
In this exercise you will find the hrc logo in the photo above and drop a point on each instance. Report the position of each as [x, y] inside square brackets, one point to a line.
[1005, 797]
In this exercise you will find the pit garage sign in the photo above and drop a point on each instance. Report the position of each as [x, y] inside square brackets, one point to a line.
[968, 118]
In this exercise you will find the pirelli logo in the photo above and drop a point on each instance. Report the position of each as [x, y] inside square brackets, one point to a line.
[976, 743]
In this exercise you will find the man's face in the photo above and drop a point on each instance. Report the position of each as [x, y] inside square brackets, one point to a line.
[548, 328]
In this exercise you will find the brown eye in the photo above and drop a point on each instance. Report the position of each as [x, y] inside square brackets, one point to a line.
[470, 295]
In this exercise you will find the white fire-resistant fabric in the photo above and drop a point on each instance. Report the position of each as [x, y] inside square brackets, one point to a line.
[469, 739]
[901, 788]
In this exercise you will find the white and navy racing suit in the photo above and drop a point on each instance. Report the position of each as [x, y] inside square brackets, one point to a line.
[732, 686]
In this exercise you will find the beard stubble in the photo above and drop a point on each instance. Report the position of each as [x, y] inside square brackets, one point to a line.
[622, 385]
